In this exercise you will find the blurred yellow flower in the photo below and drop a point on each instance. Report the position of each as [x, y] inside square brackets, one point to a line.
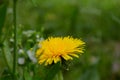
[53, 49]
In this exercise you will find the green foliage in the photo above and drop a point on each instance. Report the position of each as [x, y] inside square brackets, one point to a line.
[96, 22]
[7, 55]
[3, 8]
[52, 71]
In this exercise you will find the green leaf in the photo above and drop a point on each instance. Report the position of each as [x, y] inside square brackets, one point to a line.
[3, 9]
[27, 75]
[90, 74]
[52, 71]
[34, 2]
[7, 55]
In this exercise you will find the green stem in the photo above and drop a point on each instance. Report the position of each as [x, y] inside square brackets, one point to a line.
[59, 76]
[15, 40]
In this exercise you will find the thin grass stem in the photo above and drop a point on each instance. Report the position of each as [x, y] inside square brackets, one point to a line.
[15, 40]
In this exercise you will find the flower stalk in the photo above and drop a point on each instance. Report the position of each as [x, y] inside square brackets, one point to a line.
[59, 76]
[15, 40]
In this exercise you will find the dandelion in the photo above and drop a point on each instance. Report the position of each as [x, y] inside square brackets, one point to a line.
[54, 49]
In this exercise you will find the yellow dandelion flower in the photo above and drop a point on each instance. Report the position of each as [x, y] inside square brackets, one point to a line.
[53, 49]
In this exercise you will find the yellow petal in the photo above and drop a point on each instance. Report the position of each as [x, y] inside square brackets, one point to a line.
[66, 57]
[39, 51]
[75, 55]
[49, 61]
[42, 61]
[56, 59]
[46, 63]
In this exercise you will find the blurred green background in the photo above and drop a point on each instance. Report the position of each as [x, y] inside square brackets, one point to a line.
[96, 22]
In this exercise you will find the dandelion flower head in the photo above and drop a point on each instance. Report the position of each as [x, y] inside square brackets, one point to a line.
[54, 49]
